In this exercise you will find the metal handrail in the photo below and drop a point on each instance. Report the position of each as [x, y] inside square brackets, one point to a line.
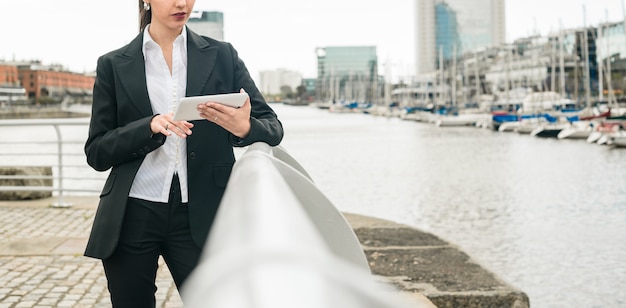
[61, 165]
[278, 242]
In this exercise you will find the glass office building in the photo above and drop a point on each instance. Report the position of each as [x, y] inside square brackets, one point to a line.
[347, 72]
[462, 24]
[447, 31]
[209, 24]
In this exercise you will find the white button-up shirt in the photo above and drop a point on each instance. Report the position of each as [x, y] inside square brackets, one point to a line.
[154, 178]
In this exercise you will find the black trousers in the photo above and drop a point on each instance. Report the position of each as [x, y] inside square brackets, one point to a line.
[150, 230]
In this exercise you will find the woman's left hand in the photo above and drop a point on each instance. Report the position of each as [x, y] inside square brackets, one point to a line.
[234, 120]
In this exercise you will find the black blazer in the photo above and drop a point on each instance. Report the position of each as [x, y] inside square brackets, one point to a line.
[120, 135]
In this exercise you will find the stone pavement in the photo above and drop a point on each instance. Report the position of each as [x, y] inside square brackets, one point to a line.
[41, 261]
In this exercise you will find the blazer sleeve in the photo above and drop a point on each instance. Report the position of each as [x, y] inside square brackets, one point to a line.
[115, 139]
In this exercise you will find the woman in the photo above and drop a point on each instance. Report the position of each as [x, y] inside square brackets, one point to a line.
[167, 177]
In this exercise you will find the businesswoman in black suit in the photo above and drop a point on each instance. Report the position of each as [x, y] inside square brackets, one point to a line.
[166, 177]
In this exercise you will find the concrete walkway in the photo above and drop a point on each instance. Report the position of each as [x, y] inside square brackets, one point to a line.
[41, 262]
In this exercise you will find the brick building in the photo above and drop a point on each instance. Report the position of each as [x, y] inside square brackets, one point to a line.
[44, 82]
[53, 82]
[9, 75]
[10, 86]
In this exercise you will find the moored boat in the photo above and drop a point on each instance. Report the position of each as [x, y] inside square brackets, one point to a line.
[551, 130]
[577, 130]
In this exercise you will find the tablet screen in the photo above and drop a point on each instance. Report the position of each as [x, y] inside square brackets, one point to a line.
[187, 106]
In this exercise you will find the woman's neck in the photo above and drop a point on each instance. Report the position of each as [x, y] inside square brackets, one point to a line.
[163, 35]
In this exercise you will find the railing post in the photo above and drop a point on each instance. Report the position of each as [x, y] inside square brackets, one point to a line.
[60, 203]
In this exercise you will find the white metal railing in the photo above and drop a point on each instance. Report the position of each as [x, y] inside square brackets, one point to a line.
[277, 241]
[64, 155]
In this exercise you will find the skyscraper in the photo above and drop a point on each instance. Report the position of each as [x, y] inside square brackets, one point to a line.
[206, 23]
[347, 72]
[443, 25]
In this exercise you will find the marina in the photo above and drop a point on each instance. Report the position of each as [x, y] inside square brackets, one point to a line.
[546, 215]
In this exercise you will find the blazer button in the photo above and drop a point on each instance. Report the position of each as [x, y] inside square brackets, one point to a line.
[192, 155]
[146, 148]
[141, 152]
[135, 155]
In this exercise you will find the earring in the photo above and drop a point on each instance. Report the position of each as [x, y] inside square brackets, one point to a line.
[146, 6]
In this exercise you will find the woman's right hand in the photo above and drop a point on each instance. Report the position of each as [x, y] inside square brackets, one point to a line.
[164, 124]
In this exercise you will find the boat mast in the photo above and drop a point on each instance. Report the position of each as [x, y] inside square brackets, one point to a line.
[561, 61]
[600, 64]
[552, 65]
[441, 80]
[453, 81]
[507, 61]
[476, 76]
[609, 86]
[586, 53]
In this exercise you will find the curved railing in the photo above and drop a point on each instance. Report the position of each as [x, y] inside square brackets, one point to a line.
[277, 241]
[62, 151]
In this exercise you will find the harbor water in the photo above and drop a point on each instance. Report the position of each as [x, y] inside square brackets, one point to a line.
[547, 216]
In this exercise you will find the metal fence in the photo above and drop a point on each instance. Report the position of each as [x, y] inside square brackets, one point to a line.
[54, 143]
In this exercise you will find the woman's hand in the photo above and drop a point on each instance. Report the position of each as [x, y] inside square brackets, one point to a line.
[164, 124]
[234, 120]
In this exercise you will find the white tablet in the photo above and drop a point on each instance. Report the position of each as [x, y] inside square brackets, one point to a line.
[187, 106]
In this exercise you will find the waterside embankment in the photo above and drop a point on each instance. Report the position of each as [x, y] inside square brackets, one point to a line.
[32, 112]
[38, 239]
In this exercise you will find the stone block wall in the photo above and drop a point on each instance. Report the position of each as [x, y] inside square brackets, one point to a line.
[19, 181]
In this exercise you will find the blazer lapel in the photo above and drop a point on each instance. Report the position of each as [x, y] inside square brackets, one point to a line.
[201, 59]
[131, 73]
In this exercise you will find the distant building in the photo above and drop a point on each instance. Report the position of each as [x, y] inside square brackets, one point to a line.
[347, 73]
[9, 75]
[271, 81]
[46, 81]
[611, 56]
[309, 85]
[444, 26]
[10, 86]
[209, 24]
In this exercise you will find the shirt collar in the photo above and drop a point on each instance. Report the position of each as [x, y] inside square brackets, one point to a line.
[147, 39]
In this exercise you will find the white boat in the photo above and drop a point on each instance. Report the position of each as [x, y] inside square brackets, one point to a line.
[527, 125]
[619, 139]
[594, 136]
[509, 126]
[577, 130]
[605, 139]
[602, 130]
[551, 130]
[540, 102]
[467, 119]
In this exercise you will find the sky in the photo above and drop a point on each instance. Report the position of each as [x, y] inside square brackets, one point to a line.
[268, 34]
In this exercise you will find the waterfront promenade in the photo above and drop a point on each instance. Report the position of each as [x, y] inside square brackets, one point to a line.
[41, 262]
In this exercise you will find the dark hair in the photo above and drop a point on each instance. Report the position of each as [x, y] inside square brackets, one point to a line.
[145, 17]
